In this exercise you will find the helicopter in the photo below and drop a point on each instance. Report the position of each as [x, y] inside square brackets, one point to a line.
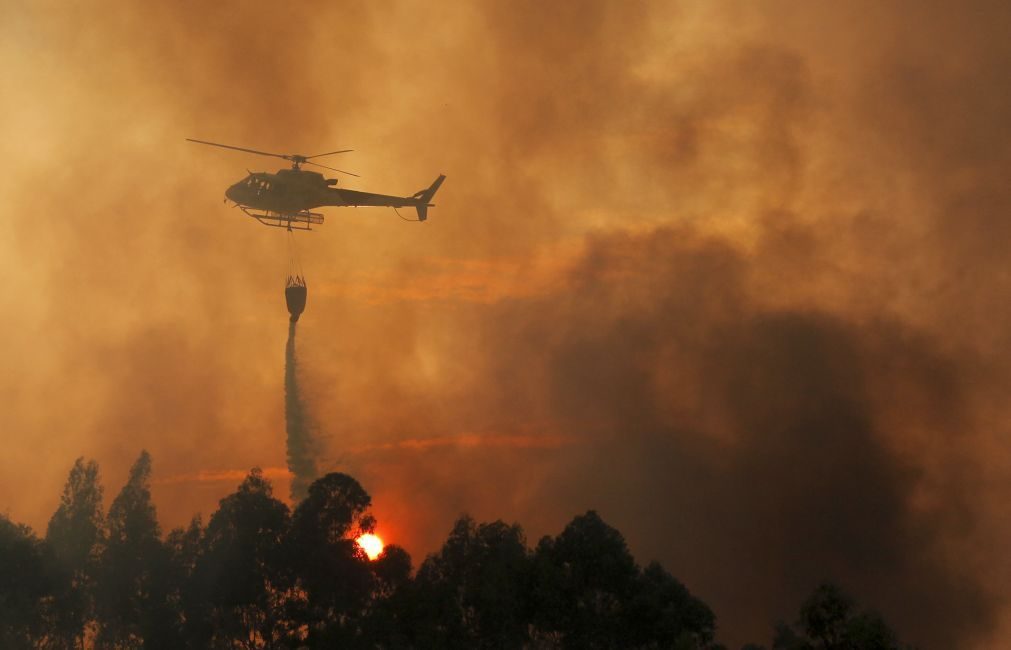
[286, 199]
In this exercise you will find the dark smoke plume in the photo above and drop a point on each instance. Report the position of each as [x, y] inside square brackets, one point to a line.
[754, 448]
[784, 355]
[301, 446]
[747, 445]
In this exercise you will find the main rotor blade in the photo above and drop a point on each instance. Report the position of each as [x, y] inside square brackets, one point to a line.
[228, 146]
[328, 154]
[333, 169]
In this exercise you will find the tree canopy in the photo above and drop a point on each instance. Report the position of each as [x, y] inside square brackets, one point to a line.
[261, 575]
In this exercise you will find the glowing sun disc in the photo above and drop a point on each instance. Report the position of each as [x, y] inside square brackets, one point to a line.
[371, 544]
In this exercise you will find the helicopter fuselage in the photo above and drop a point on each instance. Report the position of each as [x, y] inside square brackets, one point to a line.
[287, 191]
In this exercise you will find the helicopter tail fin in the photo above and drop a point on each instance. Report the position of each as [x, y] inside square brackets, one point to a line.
[424, 197]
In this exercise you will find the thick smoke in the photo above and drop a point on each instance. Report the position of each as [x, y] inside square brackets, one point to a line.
[747, 445]
[302, 447]
[754, 449]
[743, 263]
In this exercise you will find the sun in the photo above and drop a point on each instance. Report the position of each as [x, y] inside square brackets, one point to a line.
[371, 544]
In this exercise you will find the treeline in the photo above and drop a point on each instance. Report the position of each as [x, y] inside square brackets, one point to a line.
[260, 575]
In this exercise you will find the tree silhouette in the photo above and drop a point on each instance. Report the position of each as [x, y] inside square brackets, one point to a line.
[388, 623]
[133, 571]
[240, 579]
[586, 579]
[663, 612]
[76, 536]
[26, 582]
[260, 576]
[332, 570]
[472, 593]
[829, 620]
[183, 547]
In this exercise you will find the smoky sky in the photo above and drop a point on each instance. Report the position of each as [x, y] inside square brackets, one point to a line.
[732, 274]
[755, 450]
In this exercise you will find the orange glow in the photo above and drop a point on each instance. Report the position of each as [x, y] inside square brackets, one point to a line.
[371, 544]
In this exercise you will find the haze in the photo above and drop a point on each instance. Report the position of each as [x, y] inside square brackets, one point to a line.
[734, 274]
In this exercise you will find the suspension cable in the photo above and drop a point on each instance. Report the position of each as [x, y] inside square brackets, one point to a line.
[294, 260]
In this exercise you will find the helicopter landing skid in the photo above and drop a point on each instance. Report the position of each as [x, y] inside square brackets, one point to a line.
[301, 220]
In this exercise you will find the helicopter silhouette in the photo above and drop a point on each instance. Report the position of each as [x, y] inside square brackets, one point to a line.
[286, 199]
